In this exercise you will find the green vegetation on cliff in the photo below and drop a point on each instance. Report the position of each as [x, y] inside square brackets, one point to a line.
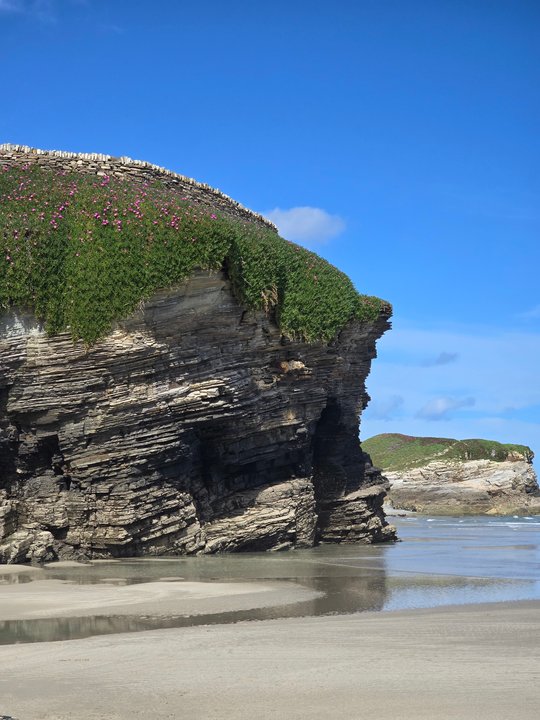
[82, 251]
[392, 451]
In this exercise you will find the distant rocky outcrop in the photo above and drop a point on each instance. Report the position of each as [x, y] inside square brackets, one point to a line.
[445, 476]
[194, 425]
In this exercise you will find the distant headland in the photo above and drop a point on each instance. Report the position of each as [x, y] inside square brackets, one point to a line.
[446, 476]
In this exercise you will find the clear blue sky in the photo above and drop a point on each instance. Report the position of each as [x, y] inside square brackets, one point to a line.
[397, 138]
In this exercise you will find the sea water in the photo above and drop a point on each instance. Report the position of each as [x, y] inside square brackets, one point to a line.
[438, 561]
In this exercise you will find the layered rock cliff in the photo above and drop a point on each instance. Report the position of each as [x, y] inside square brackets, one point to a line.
[194, 425]
[442, 476]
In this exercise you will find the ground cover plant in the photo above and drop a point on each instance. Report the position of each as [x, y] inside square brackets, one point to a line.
[82, 251]
[393, 451]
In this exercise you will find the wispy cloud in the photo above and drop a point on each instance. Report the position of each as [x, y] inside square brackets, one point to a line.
[41, 10]
[496, 367]
[532, 314]
[385, 408]
[11, 6]
[306, 225]
[443, 358]
[110, 28]
[441, 408]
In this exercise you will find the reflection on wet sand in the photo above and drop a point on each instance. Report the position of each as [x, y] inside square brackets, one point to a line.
[344, 590]
[440, 562]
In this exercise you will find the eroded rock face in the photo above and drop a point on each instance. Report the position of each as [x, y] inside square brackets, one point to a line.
[193, 427]
[467, 487]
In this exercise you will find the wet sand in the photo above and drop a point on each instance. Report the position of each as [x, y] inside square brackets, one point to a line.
[48, 598]
[460, 663]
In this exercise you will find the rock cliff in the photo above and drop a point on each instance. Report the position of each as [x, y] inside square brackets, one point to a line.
[194, 425]
[441, 476]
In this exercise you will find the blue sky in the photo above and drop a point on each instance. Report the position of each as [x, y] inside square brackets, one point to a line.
[399, 139]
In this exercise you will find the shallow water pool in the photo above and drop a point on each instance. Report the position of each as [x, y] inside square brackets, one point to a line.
[439, 561]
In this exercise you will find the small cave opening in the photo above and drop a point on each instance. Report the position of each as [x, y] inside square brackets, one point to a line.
[326, 428]
[328, 474]
[339, 463]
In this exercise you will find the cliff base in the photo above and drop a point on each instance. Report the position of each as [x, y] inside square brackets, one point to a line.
[194, 427]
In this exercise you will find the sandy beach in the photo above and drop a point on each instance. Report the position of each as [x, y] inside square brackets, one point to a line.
[459, 663]
[452, 662]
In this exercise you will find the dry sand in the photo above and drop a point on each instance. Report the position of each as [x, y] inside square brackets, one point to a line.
[461, 663]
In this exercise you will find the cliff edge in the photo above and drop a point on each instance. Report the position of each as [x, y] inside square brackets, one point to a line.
[171, 380]
[442, 476]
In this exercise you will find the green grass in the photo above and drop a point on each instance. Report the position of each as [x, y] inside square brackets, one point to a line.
[82, 252]
[392, 451]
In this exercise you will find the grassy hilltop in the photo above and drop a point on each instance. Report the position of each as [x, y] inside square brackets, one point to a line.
[82, 251]
[392, 451]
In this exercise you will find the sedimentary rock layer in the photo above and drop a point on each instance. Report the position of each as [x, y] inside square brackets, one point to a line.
[467, 487]
[193, 427]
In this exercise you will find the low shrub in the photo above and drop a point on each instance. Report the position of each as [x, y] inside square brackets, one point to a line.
[82, 251]
[395, 452]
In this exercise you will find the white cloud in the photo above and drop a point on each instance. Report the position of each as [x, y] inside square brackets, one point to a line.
[441, 407]
[306, 225]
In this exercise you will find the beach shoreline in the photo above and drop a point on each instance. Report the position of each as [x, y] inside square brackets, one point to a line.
[467, 661]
